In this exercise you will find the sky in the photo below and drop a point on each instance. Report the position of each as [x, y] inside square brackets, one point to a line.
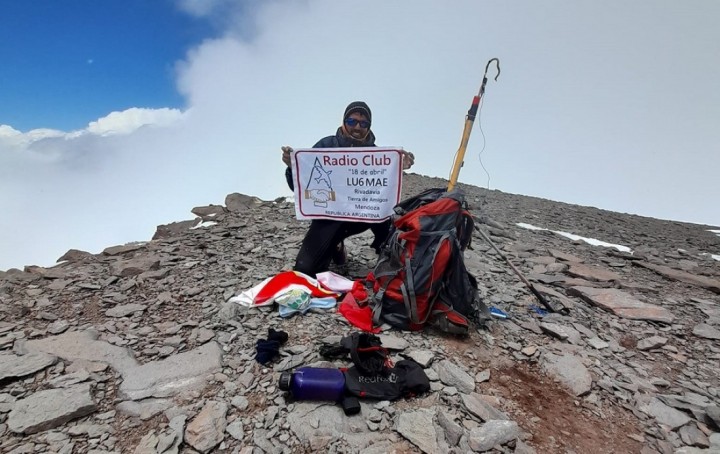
[116, 117]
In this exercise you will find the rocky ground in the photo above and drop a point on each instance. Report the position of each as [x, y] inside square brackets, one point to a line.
[137, 349]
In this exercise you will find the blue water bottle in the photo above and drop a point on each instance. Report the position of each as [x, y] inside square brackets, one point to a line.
[314, 383]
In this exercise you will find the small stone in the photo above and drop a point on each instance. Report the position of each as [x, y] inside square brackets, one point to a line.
[597, 343]
[492, 433]
[482, 376]
[706, 331]
[422, 357]
[651, 343]
[58, 326]
[240, 402]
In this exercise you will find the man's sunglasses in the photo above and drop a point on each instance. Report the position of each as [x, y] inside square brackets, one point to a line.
[352, 122]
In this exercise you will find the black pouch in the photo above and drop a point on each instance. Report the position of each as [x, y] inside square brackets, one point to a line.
[365, 351]
[406, 379]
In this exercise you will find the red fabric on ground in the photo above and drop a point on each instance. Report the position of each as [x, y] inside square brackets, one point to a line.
[359, 317]
[360, 293]
[296, 279]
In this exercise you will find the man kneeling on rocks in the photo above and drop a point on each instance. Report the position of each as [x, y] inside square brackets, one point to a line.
[324, 241]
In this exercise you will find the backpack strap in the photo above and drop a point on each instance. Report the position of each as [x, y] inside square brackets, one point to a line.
[408, 291]
[446, 235]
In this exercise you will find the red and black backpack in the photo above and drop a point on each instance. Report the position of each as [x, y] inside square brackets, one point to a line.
[420, 277]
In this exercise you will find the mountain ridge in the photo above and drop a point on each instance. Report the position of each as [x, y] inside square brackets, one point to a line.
[137, 349]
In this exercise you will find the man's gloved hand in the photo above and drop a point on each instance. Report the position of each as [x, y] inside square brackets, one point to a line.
[408, 159]
[286, 154]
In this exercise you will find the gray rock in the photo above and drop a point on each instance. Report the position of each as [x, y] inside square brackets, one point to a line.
[13, 366]
[235, 429]
[393, 342]
[83, 345]
[452, 375]
[239, 203]
[417, 427]
[122, 249]
[651, 343]
[167, 377]
[144, 409]
[713, 412]
[570, 371]
[453, 431]
[493, 433]
[208, 211]
[74, 255]
[91, 430]
[58, 326]
[71, 379]
[475, 404]
[204, 335]
[174, 229]
[692, 436]
[706, 331]
[319, 424]
[133, 267]
[6, 403]
[148, 444]
[522, 448]
[554, 330]
[240, 402]
[168, 442]
[591, 273]
[125, 310]
[290, 362]
[422, 357]
[714, 440]
[229, 311]
[482, 376]
[701, 281]
[565, 257]
[662, 413]
[597, 343]
[52, 408]
[562, 332]
[207, 429]
[692, 450]
[246, 379]
[622, 304]
[261, 439]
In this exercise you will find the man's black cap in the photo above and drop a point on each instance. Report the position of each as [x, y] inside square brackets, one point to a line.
[359, 107]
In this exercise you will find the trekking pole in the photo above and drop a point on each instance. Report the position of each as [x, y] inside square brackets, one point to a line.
[469, 119]
[563, 310]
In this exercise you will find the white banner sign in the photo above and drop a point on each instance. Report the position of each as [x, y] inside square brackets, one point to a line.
[349, 184]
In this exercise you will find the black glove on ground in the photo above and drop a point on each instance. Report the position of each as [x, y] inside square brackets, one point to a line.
[268, 349]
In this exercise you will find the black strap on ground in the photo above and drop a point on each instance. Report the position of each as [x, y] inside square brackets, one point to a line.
[560, 310]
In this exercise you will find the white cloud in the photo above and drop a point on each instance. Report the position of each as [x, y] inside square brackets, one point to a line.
[11, 137]
[132, 119]
[123, 122]
[578, 114]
